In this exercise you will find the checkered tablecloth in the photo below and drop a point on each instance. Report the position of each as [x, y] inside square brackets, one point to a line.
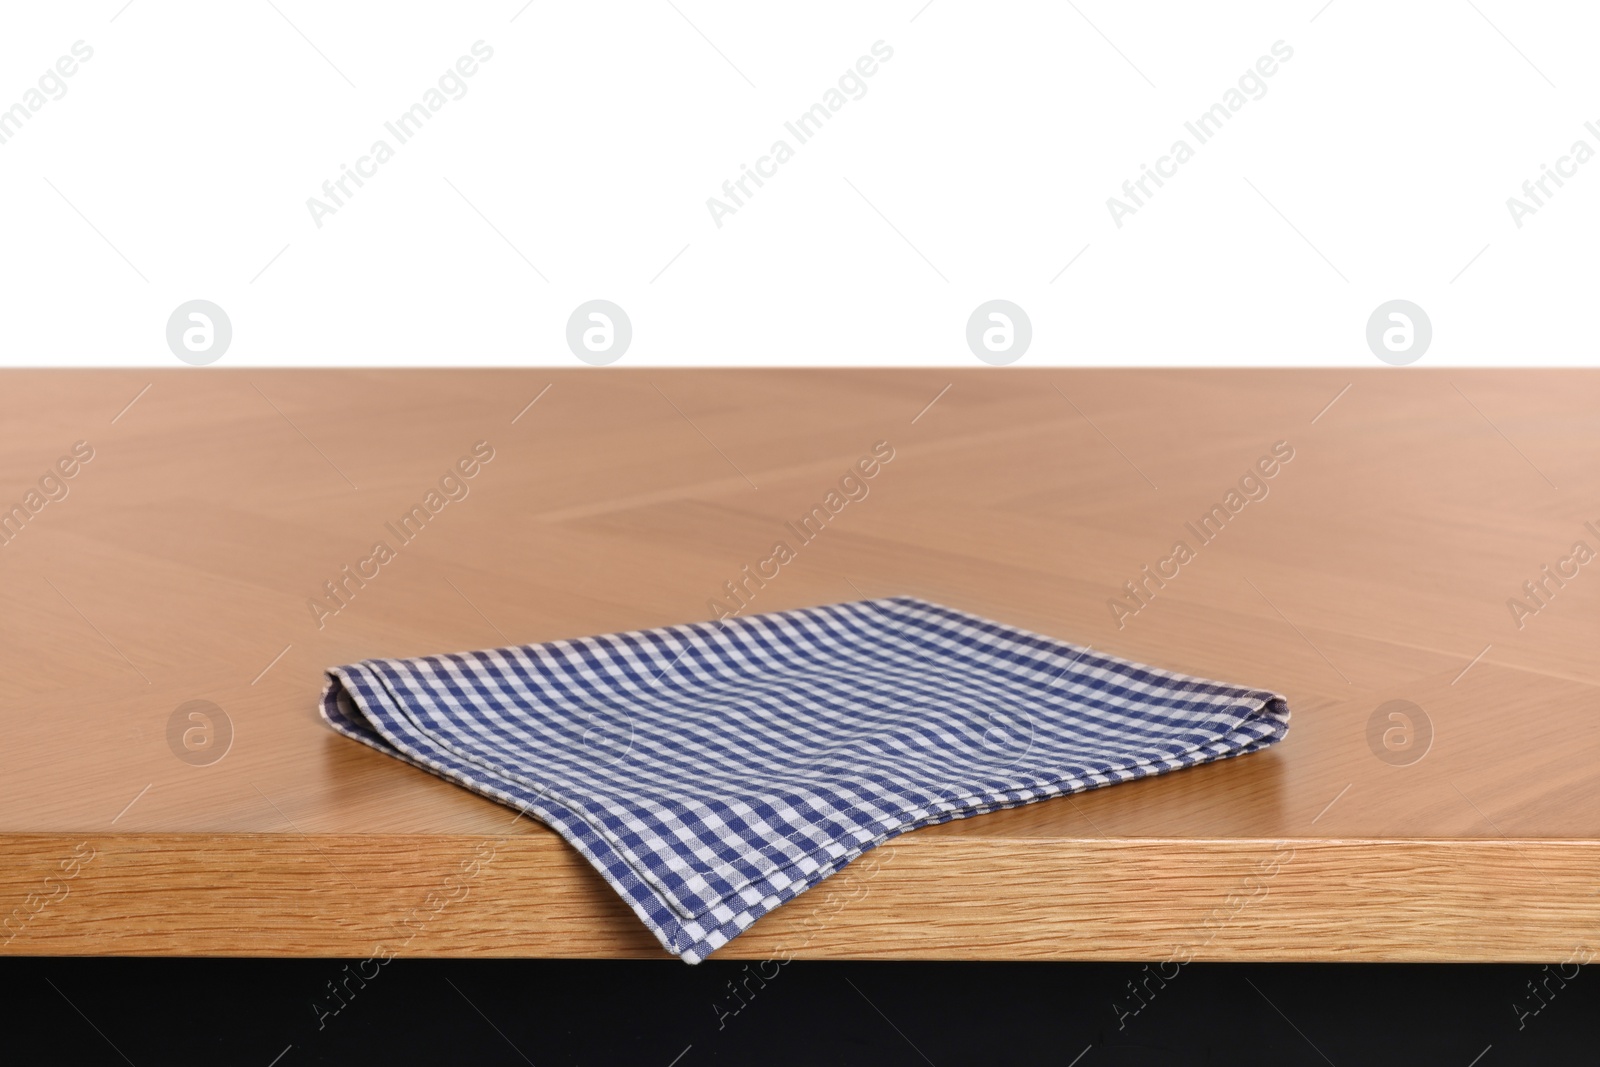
[712, 771]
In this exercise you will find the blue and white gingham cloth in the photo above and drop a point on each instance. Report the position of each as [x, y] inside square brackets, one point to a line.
[712, 771]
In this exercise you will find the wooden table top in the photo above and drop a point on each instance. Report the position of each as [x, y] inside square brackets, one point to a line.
[206, 508]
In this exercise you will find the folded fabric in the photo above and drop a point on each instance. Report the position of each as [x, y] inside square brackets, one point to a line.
[712, 771]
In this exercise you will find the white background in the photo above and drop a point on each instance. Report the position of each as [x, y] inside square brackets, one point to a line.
[977, 165]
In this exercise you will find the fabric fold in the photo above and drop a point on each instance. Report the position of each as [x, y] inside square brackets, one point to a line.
[712, 771]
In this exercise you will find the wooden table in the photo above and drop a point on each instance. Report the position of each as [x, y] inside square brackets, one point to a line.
[179, 565]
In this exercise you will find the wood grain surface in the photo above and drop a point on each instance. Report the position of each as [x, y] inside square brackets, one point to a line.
[1374, 573]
